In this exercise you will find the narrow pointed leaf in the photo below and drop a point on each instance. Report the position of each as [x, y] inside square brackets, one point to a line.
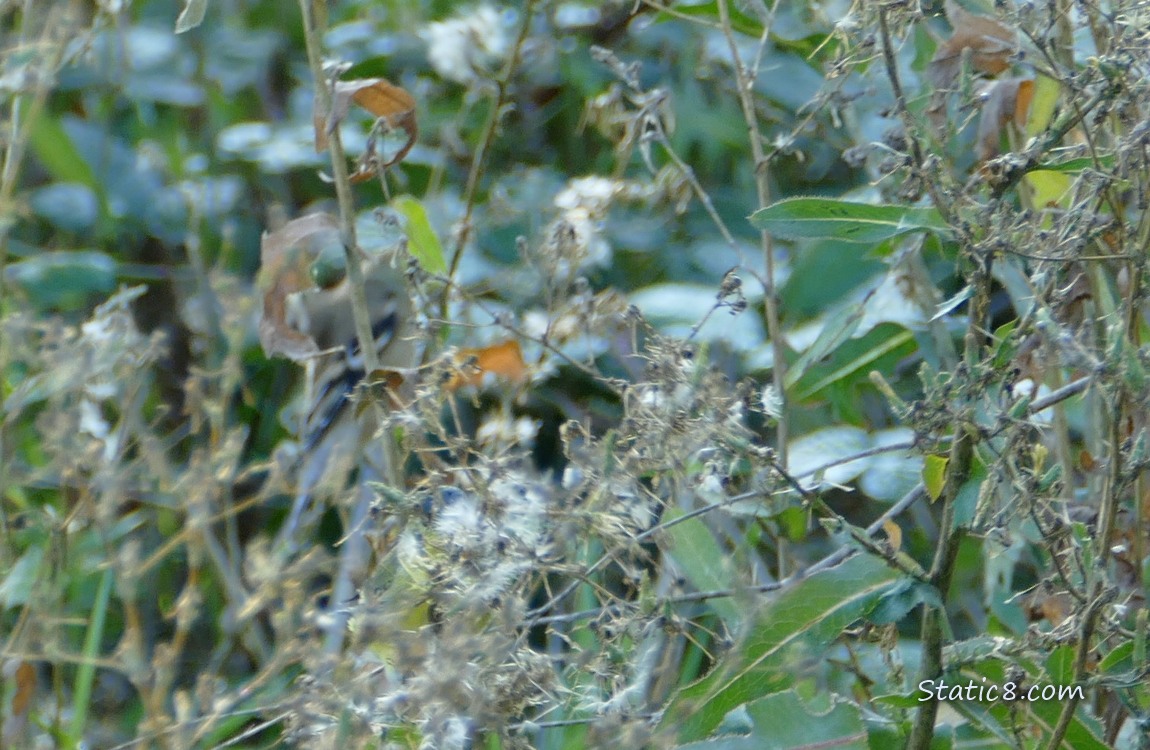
[826, 218]
[801, 622]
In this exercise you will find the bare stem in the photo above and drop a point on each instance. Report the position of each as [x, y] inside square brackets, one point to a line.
[343, 195]
[486, 138]
[745, 80]
[355, 546]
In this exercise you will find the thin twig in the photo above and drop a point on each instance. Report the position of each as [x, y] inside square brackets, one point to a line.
[745, 81]
[486, 138]
[831, 560]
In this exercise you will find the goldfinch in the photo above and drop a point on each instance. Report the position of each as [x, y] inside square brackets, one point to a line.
[325, 315]
[335, 436]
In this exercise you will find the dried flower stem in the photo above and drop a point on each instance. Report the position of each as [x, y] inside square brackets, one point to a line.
[745, 81]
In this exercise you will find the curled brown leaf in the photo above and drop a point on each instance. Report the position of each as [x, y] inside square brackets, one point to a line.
[285, 259]
[1004, 101]
[383, 99]
[991, 43]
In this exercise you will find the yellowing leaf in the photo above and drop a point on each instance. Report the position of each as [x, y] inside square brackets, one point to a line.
[934, 475]
[1049, 189]
[1046, 91]
[893, 534]
[422, 242]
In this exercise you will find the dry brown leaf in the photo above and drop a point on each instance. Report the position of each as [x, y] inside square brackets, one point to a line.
[285, 257]
[1045, 604]
[388, 385]
[25, 686]
[991, 43]
[23, 675]
[503, 360]
[1005, 101]
[383, 99]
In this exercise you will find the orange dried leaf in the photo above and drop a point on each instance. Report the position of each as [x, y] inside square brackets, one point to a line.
[383, 99]
[386, 384]
[25, 687]
[1022, 103]
[23, 676]
[1003, 101]
[361, 175]
[503, 360]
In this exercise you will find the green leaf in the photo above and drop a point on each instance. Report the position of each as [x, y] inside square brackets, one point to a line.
[422, 241]
[1077, 165]
[826, 270]
[934, 475]
[58, 153]
[897, 700]
[857, 364]
[740, 21]
[801, 622]
[1060, 665]
[374, 67]
[826, 218]
[1120, 659]
[191, 16]
[63, 279]
[723, 743]
[1083, 733]
[839, 327]
[783, 721]
[86, 672]
[902, 598]
[698, 555]
[70, 206]
[18, 584]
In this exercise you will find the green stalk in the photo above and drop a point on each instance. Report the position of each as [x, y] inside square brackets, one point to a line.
[86, 674]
